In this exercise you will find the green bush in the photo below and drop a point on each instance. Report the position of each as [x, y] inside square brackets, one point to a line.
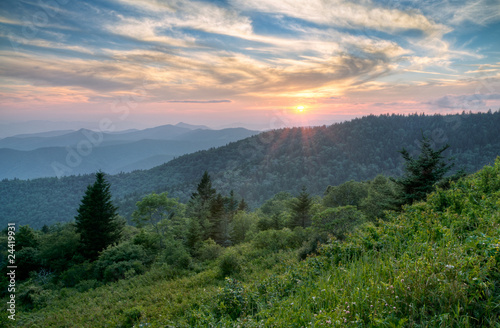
[338, 221]
[77, 273]
[132, 316]
[121, 261]
[209, 250]
[233, 300]
[229, 263]
[176, 255]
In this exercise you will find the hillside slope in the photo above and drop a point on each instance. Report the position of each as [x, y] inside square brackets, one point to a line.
[260, 166]
[433, 265]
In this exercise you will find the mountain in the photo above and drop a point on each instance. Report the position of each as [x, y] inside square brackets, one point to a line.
[260, 166]
[37, 126]
[85, 151]
[193, 127]
[44, 134]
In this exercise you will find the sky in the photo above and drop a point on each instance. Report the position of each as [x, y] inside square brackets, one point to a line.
[259, 63]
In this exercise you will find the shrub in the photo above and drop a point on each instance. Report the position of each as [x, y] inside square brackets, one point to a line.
[177, 255]
[229, 263]
[338, 221]
[233, 300]
[122, 261]
[209, 250]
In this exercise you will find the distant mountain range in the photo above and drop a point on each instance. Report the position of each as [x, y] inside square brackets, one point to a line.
[60, 153]
[262, 165]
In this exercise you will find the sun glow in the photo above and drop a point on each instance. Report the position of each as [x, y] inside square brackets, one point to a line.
[300, 109]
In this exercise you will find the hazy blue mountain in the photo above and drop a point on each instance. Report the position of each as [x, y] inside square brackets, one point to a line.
[43, 134]
[192, 127]
[85, 151]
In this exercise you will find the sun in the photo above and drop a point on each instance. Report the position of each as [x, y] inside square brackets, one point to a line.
[300, 109]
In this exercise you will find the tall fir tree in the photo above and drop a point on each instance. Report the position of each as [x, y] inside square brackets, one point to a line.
[97, 220]
[199, 213]
[301, 208]
[218, 219]
[423, 172]
[243, 206]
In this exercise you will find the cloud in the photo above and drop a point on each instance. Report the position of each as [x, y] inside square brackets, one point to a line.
[197, 15]
[339, 13]
[92, 75]
[200, 101]
[463, 102]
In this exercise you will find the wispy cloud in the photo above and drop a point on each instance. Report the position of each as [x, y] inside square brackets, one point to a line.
[359, 55]
[200, 101]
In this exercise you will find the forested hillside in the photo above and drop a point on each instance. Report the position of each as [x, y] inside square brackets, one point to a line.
[433, 264]
[258, 167]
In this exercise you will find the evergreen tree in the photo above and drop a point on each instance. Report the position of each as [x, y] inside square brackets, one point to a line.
[217, 219]
[422, 173]
[243, 206]
[204, 191]
[199, 212]
[301, 207]
[97, 220]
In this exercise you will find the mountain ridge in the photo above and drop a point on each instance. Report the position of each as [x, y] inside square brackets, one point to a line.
[280, 160]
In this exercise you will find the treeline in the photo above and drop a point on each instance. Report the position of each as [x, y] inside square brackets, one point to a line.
[258, 167]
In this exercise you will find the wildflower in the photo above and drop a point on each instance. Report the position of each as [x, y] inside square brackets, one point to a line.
[448, 266]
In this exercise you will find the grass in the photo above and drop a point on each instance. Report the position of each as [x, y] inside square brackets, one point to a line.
[436, 264]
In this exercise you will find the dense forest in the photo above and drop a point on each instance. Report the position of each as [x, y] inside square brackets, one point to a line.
[421, 250]
[259, 167]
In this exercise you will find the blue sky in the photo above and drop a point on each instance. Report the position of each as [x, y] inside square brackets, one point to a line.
[219, 62]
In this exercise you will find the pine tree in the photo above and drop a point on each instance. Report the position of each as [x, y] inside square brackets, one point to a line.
[301, 207]
[422, 173]
[199, 212]
[243, 206]
[217, 219]
[97, 220]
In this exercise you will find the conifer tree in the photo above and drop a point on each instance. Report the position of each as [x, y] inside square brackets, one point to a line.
[422, 173]
[301, 207]
[97, 220]
[217, 219]
[243, 206]
[199, 212]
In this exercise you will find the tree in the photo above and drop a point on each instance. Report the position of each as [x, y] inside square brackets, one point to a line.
[383, 195]
[158, 211]
[338, 221]
[199, 212]
[218, 220]
[348, 193]
[422, 173]
[97, 221]
[243, 206]
[301, 207]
